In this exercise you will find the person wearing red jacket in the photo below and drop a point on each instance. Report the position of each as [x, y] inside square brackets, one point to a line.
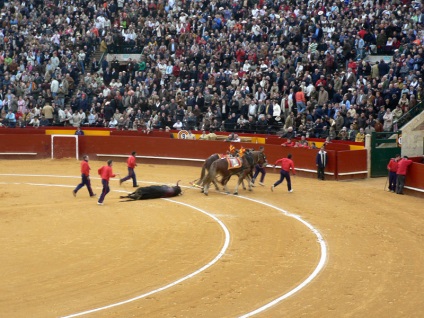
[392, 167]
[105, 173]
[286, 165]
[288, 143]
[402, 168]
[85, 175]
[131, 164]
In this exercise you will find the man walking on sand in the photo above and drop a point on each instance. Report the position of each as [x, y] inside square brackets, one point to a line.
[85, 175]
[286, 165]
[131, 164]
[105, 173]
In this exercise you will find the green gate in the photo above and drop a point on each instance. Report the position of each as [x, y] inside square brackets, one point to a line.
[382, 149]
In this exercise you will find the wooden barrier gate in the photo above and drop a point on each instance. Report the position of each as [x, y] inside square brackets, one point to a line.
[382, 149]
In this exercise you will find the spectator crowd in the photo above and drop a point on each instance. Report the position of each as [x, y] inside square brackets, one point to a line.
[301, 68]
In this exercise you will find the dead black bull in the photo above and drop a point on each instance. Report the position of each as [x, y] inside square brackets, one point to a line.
[154, 192]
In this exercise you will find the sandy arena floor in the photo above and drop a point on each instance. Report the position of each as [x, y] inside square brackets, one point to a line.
[197, 256]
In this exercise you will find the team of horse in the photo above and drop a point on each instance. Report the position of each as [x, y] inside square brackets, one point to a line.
[219, 165]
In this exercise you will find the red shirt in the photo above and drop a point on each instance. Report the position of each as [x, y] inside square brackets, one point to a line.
[288, 144]
[106, 173]
[403, 166]
[286, 164]
[393, 165]
[131, 162]
[300, 97]
[353, 66]
[362, 33]
[85, 168]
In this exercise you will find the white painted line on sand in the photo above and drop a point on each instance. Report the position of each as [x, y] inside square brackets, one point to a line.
[318, 268]
[203, 268]
[308, 280]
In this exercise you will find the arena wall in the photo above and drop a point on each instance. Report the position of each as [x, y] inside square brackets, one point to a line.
[414, 182]
[160, 148]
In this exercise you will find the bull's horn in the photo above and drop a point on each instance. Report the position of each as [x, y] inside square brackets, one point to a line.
[178, 182]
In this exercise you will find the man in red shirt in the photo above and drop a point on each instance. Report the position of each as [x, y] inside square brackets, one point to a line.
[105, 173]
[131, 164]
[392, 167]
[300, 101]
[288, 143]
[85, 175]
[402, 168]
[286, 165]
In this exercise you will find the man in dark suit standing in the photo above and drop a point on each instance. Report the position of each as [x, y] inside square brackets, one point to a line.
[321, 162]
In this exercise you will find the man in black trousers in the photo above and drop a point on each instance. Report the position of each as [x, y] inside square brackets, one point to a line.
[321, 162]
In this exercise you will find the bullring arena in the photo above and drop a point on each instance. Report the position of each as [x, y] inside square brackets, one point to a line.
[329, 249]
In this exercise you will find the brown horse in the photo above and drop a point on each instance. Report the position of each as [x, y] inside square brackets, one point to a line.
[221, 167]
[205, 168]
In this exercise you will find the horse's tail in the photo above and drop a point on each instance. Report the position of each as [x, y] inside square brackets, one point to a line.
[211, 174]
[206, 166]
[203, 173]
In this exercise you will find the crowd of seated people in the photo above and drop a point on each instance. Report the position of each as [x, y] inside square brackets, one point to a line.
[236, 66]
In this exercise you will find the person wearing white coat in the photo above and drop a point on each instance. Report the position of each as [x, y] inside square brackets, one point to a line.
[276, 112]
[54, 87]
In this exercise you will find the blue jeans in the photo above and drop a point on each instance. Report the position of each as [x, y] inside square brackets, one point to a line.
[81, 63]
[300, 107]
[284, 175]
[260, 170]
[85, 181]
[392, 180]
[131, 175]
[105, 190]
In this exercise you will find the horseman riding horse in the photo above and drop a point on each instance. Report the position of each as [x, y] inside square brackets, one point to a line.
[232, 152]
[224, 168]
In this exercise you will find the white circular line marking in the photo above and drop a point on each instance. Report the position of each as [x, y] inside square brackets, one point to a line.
[314, 274]
[203, 268]
[221, 253]
[319, 267]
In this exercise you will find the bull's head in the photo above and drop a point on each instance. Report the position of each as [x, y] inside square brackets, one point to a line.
[177, 189]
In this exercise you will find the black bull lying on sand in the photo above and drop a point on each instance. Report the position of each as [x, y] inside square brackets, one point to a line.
[154, 192]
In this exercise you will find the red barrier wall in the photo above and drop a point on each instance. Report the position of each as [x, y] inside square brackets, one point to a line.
[18, 131]
[349, 163]
[25, 143]
[164, 147]
[415, 179]
[304, 159]
[341, 164]
[337, 147]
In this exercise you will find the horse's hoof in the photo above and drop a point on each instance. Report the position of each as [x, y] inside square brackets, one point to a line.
[235, 193]
[250, 189]
[228, 192]
[201, 191]
[205, 193]
[244, 188]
